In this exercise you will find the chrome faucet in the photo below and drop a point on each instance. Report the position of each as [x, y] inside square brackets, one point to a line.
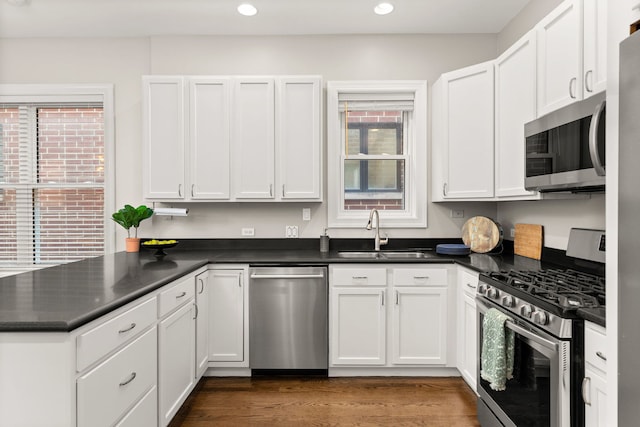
[378, 241]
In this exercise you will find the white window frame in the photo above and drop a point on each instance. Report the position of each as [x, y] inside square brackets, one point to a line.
[415, 213]
[59, 93]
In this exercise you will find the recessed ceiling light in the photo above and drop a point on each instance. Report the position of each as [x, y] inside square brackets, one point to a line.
[383, 8]
[247, 9]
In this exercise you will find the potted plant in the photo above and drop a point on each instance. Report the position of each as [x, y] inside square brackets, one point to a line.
[129, 217]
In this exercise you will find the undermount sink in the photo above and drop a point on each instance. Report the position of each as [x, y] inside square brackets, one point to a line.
[384, 254]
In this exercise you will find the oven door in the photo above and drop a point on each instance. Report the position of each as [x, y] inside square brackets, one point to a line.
[538, 395]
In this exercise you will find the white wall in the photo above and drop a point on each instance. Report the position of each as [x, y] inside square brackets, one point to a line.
[123, 62]
[530, 15]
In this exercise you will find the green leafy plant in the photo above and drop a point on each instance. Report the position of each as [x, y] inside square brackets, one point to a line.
[129, 217]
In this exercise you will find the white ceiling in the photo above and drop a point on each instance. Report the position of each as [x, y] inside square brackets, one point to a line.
[134, 18]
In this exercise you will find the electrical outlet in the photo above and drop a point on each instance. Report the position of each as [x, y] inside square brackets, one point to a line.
[457, 214]
[306, 214]
[291, 231]
[512, 232]
[247, 232]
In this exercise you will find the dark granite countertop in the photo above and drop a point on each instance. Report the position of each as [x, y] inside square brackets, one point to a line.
[64, 297]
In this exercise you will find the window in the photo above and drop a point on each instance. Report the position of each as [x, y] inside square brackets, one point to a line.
[52, 176]
[377, 152]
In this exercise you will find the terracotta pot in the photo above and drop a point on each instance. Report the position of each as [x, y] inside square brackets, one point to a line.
[132, 244]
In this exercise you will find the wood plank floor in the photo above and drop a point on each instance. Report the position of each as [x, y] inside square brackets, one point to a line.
[321, 401]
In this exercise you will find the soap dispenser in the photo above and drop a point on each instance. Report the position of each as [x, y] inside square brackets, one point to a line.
[324, 242]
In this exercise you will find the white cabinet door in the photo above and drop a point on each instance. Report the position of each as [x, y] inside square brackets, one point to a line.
[595, 46]
[176, 361]
[163, 137]
[463, 133]
[253, 149]
[202, 324]
[515, 105]
[209, 138]
[467, 353]
[559, 46]
[299, 138]
[595, 397]
[419, 325]
[226, 316]
[358, 326]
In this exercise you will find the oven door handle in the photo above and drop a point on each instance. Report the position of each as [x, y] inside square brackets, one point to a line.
[528, 334]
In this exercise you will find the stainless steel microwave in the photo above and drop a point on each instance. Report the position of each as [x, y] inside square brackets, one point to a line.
[565, 149]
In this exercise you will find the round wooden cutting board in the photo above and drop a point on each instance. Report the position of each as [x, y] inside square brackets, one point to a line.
[481, 234]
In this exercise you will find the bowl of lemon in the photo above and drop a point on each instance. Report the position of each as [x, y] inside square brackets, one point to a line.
[159, 246]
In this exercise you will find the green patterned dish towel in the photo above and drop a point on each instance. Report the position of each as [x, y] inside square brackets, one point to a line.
[496, 360]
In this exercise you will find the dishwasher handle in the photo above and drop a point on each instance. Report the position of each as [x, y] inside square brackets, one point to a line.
[287, 276]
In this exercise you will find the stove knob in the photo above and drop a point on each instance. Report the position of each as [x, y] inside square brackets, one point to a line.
[507, 301]
[526, 310]
[482, 288]
[540, 317]
[493, 293]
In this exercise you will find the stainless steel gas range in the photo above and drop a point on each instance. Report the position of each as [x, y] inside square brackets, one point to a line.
[548, 353]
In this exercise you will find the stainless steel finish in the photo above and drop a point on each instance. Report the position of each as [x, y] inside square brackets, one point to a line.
[593, 139]
[556, 350]
[384, 254]
[377, 240]
[572, 179]
[629, 236]
[548, 322]
[585, 244]
[288, 318]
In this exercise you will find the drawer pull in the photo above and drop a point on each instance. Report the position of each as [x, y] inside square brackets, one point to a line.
[601, 356]
[128, 380]
[471, 286]
[420, 277]
[122, 331]
[359, 277]
[181, 295]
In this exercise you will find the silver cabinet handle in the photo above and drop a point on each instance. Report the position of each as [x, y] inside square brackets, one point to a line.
[270, 190]
[593, 139]
[197, 311]
[397, 298]
[192, 189]
[601, 356]
[128, 380]
[420, 277]
[287, 276]
[585, 387]
[282, 190]
[444, 189]
[382, 298]
[471, 286]
[586, 80]
[181, 295]
[571, 87]
[179, 190]
[202, 288]
[122, 331]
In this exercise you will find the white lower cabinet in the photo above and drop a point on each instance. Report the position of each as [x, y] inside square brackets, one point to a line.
[594, 385]
[358, 326]
[467, 334]
[145, 413]
[176, 360]
[228, 317]
[389, 316]
[106, 392]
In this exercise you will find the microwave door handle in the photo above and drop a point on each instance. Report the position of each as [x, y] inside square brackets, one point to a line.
[593, 139]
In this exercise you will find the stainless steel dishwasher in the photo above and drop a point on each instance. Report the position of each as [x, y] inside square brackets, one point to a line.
[288, 324]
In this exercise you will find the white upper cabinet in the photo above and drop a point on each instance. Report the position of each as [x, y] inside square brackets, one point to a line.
[515, 105]
[463, 134]
[571, 53]
[595, 46]
[209, 137]
[298, 135]
[253, 136]
[163, 137]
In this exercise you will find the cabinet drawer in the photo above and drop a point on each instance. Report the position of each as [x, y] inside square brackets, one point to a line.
[359, 277]
[469, 282]
[419, 277]
[145, 413]
[595, 346]
[175, 296]
[101, 340]
[108, 390]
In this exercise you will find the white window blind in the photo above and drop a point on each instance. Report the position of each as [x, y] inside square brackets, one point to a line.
[52, 186]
